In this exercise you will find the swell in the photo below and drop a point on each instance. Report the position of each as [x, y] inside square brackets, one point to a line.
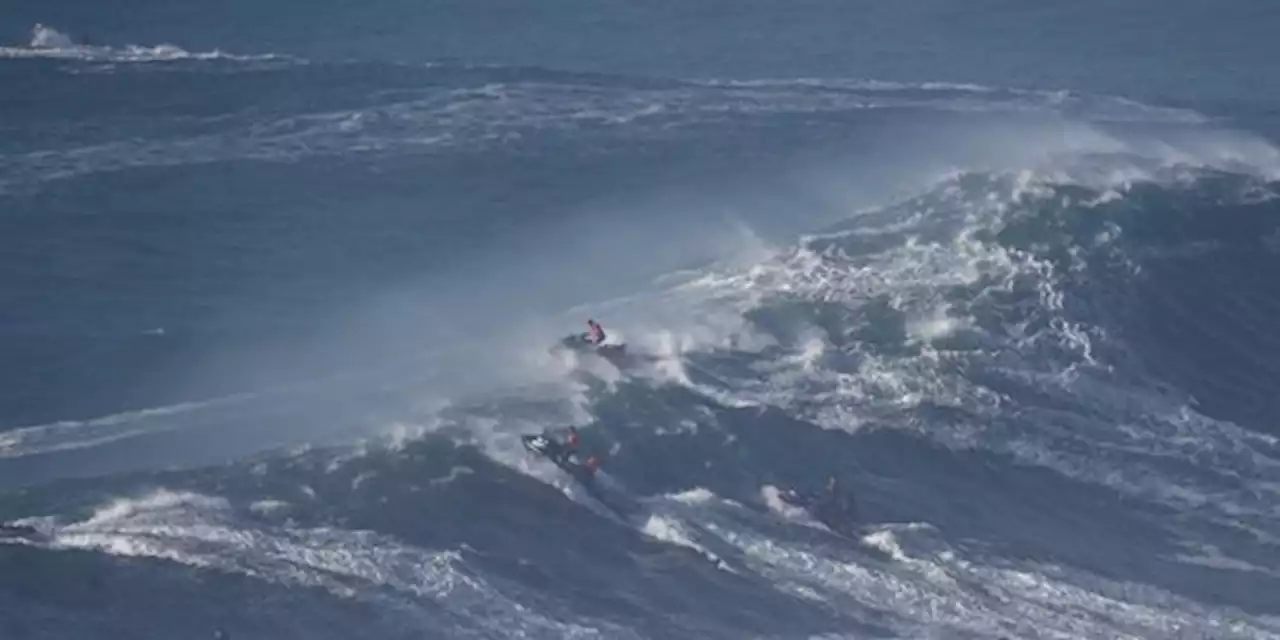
[274, 108]
[378, 512]
[1179, 275]
[432, 533]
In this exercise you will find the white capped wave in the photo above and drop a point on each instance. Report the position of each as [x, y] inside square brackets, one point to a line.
[785, 509]
[671, 530]
[924, 585]
[911, 578]
[970, 304]
[438, 587]
[1101, 107]
[47, 42]
[856, 384]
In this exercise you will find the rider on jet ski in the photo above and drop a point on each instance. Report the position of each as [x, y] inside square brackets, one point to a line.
[564, 452]
[831, 506]
[595, 333]
[569, 453]
[569, 448]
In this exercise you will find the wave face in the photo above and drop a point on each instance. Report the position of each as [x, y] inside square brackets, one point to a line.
[278, 325]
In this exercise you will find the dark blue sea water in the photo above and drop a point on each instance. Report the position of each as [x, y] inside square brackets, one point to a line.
[279, 282]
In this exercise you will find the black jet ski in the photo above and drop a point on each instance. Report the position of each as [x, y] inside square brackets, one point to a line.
[833, 509]
[558, 453]
[616, 354]
[545, 445]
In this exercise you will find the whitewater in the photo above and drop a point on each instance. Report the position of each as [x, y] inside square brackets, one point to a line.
[275, 312]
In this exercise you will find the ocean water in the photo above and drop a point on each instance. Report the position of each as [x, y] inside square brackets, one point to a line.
[278, 284]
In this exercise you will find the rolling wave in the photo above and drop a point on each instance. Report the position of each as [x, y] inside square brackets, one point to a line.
[454, 108]
[49, 43]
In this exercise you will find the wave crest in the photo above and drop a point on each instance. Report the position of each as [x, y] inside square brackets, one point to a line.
[47, 42]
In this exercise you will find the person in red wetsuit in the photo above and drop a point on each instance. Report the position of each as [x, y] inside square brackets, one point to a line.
[595, 332]
[591, 465]
[571, 443]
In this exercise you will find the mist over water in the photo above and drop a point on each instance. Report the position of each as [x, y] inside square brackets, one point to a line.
[274, 321]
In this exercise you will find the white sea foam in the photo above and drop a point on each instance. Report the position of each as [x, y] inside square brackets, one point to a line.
[47, 42]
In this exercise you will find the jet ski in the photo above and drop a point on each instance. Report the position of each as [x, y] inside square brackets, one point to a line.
[558, 453]
[615, 354]
[544, 446]
[579, 343]
[830, 507]
[582, 471]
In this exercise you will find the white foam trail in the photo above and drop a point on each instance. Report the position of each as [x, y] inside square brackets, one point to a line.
[70, 435]
[79, 434]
